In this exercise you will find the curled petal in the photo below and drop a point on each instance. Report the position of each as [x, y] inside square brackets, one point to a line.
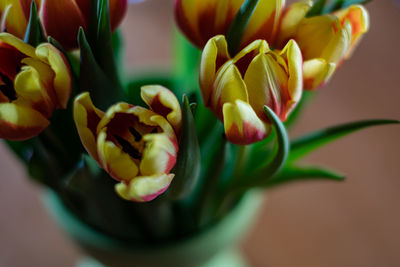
[215, 53]
[242, 126]
[62, 82]
[358, 17]
[294, 60]
[31, 89]
[87, 117]
[120, 165]
[162, 101]
[159, 155]
[20, 122]
[317, 72]
[144, 188]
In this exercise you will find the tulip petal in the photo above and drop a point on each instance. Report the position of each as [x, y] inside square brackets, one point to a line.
[264, 22]
[291, 18]
[117, 163]
[292, 55]
[14, 20]
[20, 122]
[87, 117]
[62, 19]
[144, 188]
[242, 125]
[117, 12]
[229, 87]
[317, 72]
[323, 37]
[62, 82]
[31, 90]
[159, 155]
[18, 44]
[358, 17]
[162, 101]
[215, 53]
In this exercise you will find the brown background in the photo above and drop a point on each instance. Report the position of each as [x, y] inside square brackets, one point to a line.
[355, 223]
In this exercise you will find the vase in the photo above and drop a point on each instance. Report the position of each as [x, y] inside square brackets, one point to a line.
[217, 246]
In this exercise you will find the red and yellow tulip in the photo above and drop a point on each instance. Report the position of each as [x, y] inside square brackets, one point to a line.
[62, 18]
[136, 146]
[201, 20]
[237, 89]
[33, 82]
[325, 41]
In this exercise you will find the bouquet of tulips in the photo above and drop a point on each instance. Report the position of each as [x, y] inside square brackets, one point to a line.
[162, 158]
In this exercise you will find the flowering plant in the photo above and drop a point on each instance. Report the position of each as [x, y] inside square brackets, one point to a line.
[106, 145]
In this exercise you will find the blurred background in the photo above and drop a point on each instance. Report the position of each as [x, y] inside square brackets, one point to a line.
[318, 223]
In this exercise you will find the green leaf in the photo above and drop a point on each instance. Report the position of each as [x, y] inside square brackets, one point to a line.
[103, 50]
[92, 77]
[317, 8]
[283, 146]
[275, 164]
[239, 25]
[301, 173]
[310, 142]
[187, 168]
[34, 34]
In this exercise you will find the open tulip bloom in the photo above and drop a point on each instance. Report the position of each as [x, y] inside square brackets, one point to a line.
[190, 145]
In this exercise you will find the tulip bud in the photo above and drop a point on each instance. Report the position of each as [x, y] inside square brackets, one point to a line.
[33, 82]
[237, 89]
[63, 18]
[201, 20]
[136, 146]
[325, 41]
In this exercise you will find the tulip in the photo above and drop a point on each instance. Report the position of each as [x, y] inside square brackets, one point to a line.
[201, 20]
[62, 18]
[136, 146]
[33, 82]
[325, 40]
[14, 15]
[237, 89]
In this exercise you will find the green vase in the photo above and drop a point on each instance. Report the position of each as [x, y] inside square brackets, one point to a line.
[215, 247]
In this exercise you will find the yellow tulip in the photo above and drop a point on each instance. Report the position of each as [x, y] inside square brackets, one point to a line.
[201, 20]
[33, 82]
[136, 146]
[237, 89]
[325, 41]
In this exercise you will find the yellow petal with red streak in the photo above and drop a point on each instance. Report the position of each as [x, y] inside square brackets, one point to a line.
[18, 44]
[115, 162]
[163, 102]
[144, 188]
[242, 125]
[63, 78]
[87, 117]
[317, 72]
[215, 53]
[20, 122]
